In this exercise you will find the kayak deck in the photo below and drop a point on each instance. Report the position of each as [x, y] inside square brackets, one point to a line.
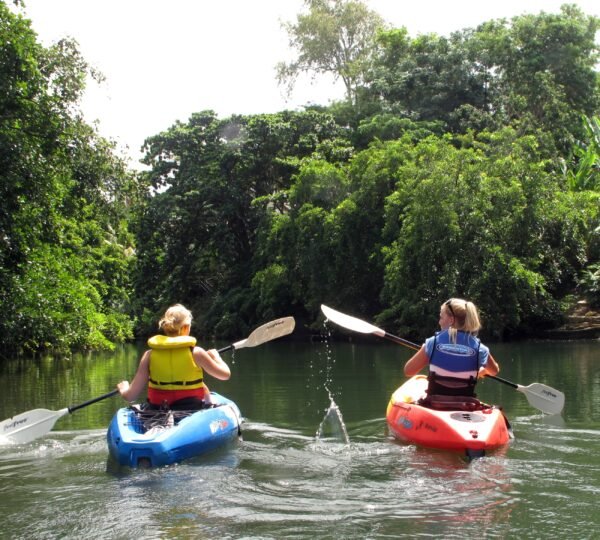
[457, 424]
[173, 438]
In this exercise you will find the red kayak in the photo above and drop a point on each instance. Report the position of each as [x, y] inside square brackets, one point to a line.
[456, 423]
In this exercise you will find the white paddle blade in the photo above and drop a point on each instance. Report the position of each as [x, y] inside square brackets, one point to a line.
[350, 323]
[267, 332]
[542, 397]
[30, 425]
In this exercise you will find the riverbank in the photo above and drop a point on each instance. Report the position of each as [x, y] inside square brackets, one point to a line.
[582, 322]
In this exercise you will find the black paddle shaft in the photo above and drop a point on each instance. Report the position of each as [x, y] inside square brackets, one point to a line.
[86, 403]
[496, 378]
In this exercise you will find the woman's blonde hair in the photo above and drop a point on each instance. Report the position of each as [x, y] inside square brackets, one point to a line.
[174, 319]
[466, 316]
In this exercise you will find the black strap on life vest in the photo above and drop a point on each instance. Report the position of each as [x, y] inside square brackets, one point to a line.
[176, 383]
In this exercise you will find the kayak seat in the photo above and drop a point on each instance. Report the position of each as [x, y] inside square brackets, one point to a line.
[149, 416]
[452, 403]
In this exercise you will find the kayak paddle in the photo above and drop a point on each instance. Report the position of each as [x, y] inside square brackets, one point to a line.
[30, 425]
[352, 323]
[266, 332]
[542, 397]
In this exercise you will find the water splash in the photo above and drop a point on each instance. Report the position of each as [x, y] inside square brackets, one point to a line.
[332, 425]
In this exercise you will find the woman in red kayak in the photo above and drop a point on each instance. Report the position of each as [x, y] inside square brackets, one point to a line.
[456, 357]
[173, 368]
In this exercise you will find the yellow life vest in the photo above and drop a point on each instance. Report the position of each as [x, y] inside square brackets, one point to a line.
[172, 365]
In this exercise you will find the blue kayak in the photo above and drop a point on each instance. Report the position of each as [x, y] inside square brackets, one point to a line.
[151, 439]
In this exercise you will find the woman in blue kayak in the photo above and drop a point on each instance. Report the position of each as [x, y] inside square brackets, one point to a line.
[173, 368]
[456, 357]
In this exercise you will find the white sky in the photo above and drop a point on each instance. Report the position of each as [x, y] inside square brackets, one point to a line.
[165, 59]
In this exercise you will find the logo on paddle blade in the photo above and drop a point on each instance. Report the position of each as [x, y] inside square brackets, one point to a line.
[14, 424]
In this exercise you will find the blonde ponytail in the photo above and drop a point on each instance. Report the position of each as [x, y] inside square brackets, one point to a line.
[466, 317]
[472, 322]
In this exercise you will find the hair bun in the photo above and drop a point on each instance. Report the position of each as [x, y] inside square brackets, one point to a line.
[174, 319]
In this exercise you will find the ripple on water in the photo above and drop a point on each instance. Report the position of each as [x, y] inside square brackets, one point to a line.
[308, 481]
[281, 483]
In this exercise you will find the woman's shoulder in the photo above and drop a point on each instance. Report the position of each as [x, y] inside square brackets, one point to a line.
[483, 348]
[431, 339]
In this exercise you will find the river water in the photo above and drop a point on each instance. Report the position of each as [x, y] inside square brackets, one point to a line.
[315, 460]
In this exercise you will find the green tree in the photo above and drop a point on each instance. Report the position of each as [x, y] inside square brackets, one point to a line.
[430, 77]
[545, 70]
[335, 37]
[582, 175]
[64, 242]
[486, 221]
[582, 170]
[536, 72]
[199, 238]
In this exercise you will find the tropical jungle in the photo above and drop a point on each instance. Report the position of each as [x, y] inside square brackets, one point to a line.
[463, 165]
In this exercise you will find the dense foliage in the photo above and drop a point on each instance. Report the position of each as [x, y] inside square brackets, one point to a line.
[64, 241]
[462, 165]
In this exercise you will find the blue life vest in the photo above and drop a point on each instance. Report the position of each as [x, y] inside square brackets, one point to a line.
[453, 367]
